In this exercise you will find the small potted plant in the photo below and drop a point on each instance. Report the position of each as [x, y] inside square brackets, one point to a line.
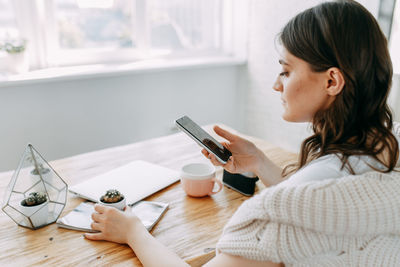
[17, 60]
[35, 207]
[113, 198]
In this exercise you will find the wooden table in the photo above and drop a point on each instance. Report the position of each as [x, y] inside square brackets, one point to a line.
[190, 227]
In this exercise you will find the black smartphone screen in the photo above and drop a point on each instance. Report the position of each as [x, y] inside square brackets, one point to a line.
[202, 137]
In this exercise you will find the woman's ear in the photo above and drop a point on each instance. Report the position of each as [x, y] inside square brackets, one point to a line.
[336, 81]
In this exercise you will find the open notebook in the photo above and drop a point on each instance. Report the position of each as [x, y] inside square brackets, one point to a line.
[135, 181]
[149, 212]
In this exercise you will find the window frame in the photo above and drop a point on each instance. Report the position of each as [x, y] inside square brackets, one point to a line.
[394, 40]
[37, 23]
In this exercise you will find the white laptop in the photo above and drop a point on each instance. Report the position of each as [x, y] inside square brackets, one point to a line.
[135, 181]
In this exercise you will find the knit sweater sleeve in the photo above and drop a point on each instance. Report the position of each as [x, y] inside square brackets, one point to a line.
[353, 205]
[288, 223]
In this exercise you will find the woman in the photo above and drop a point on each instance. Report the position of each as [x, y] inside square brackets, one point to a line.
[336, 74]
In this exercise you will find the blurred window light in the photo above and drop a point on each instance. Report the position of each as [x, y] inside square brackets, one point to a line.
[93, 25]
[386, 16]
[95, 3]
[90, 31]
[8, 26]
[8, 31]
[184, 24]
[395, 39]
[82, 32]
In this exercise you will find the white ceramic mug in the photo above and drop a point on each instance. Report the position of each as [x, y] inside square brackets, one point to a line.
[198, 179]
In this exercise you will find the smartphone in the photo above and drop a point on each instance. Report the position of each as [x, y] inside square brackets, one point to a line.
[203, 139]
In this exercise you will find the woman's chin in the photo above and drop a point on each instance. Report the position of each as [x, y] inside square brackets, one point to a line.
[292, 118]
[287, 117]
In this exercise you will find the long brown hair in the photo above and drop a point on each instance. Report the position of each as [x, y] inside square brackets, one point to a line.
[345, 35]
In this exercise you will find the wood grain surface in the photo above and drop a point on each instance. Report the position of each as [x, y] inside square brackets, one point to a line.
[190, 227]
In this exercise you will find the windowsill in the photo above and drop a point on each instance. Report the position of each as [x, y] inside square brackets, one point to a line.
[109, 70]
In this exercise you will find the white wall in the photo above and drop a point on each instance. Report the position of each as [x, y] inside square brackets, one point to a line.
[66, 118]
[262, 105]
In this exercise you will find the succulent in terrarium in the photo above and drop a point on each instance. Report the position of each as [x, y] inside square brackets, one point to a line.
[34, 199]
[38, 167]
[112, 196]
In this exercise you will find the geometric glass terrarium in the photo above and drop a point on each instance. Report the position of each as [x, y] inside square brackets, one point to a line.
[36, 194]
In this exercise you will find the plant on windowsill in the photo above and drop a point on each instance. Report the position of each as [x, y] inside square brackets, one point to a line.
[17, 60]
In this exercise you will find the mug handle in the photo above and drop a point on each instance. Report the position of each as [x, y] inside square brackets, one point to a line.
[219, 187]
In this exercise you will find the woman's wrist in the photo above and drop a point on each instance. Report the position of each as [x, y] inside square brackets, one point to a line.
[135, 230]
[260, 163]
[268, 172]
[140, 240]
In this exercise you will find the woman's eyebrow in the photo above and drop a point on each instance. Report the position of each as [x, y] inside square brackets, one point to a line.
[282, 62]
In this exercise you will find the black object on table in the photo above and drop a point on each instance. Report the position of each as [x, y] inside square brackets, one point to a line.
[243, 184]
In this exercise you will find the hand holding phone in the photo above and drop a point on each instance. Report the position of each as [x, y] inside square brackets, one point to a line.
[243, 184]
[202, 138]
[246, 157]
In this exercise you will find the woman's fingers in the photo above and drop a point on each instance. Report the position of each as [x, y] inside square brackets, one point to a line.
[224, 133]
[226, 145]
[214, 160]
[128, 209]
[205, 152]
[99, 208]
[94, 236]
[211, 157]
[230, 164]
[96, 217]
[96, 226]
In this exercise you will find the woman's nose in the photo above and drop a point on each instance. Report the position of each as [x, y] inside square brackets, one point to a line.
[277, 85]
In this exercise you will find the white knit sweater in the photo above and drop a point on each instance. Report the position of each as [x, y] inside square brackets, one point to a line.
[350, 221]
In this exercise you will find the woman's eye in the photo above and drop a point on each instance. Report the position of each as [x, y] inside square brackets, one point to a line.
[284, 74]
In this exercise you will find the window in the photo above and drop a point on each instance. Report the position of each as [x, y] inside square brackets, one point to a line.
[389, 20]
[81, 26]
[8, 27]
[76, 32]
[385, 15]
[395, 39]
[88, 31]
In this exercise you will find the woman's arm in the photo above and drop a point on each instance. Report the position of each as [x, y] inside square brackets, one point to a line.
[223, 259]
[126, 228]
[246, 157]
[268, 172]
[150, 251]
